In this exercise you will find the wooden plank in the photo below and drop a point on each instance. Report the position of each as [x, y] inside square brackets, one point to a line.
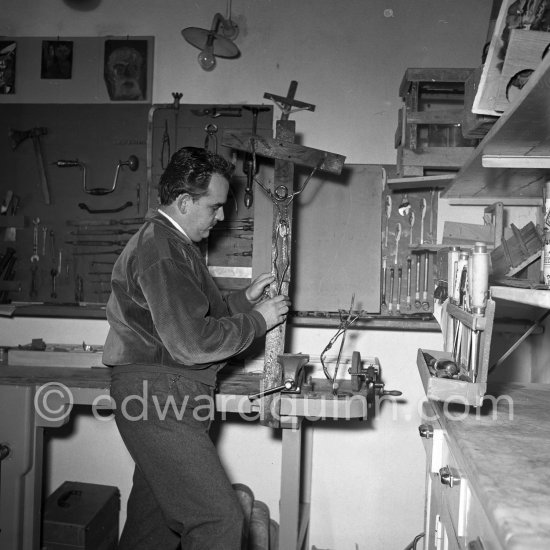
[487, 92]
[488, 200]
[474, 126]
[284, 150]
[432, 75]
[436, 157]
[420, 182]
[524, 53]
[460, 233]
[434, 117]
[532, 297]
[46, 358]
[507, 160]
[400, 130]
[281, 264]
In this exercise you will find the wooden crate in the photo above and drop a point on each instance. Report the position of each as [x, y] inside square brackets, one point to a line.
[517, 252]
[428, 134]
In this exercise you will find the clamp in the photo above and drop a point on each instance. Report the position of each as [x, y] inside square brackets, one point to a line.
[293, 375]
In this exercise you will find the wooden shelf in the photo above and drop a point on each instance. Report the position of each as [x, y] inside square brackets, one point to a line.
[528, 296]
[522, 131]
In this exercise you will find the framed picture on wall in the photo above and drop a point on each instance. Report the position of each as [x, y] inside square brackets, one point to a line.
[8, 50]
[126, 69]
[57, 59]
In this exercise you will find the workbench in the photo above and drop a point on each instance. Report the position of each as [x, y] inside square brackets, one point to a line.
[488, 470]
[23, 390]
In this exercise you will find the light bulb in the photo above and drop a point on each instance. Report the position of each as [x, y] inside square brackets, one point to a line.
[207, 59]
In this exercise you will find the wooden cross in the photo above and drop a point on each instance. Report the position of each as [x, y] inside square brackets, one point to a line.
[286, 154]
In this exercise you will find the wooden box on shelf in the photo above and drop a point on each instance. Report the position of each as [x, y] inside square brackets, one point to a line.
[429, 135]
[467, 345]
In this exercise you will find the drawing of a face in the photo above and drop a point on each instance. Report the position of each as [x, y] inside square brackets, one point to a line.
[124, 74]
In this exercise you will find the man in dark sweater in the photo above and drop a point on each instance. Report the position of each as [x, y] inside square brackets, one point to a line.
[170, 332]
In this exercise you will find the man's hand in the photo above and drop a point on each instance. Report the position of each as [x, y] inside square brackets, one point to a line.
[274, 310]
[256, 289]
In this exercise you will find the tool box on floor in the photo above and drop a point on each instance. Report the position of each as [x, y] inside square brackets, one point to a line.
[81, 516]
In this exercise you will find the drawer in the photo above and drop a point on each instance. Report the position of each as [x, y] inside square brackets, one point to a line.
[452, 485]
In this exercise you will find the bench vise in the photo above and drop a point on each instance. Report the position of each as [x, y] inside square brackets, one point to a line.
[293, 375]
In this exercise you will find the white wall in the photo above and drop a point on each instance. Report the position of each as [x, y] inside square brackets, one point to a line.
[348, 57]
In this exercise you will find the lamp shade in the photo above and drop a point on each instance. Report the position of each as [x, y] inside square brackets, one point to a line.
[222, 47]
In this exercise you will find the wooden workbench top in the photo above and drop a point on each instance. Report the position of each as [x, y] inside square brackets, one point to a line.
[504, 448]
[100, 378]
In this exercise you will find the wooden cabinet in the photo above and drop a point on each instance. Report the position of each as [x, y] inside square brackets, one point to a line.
[454, 518]
[484, 470]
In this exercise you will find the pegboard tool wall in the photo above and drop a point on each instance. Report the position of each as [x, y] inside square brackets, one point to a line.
[99, 137]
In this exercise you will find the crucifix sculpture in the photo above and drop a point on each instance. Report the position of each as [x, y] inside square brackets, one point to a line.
[286, 154]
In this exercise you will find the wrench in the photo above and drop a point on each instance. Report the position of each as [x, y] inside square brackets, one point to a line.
[411, 221]
[388, 214]
[44, 237]
[383, 304]
[53, 271]
[390, 305]
[397, 237]
[408, 283]
[399, 280]
[432, 197]
[425, 303]
[417, 303]
[35, 257]
[422, 216]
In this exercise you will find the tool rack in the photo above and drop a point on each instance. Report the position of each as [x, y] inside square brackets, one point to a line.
[408, 254]
[469, 386]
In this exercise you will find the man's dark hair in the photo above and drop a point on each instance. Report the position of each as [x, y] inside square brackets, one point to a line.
[189, 171]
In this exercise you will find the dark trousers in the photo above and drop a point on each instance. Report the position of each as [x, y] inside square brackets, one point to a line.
[180, 493]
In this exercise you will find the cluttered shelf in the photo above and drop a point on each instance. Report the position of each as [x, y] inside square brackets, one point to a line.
[516, 147]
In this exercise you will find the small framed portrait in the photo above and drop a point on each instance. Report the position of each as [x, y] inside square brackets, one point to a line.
[8, 50]
[57, 59]
[125, 69]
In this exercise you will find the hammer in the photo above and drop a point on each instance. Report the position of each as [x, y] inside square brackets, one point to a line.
[17, 137]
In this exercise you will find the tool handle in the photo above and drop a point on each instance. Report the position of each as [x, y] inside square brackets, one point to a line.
[41, 170]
